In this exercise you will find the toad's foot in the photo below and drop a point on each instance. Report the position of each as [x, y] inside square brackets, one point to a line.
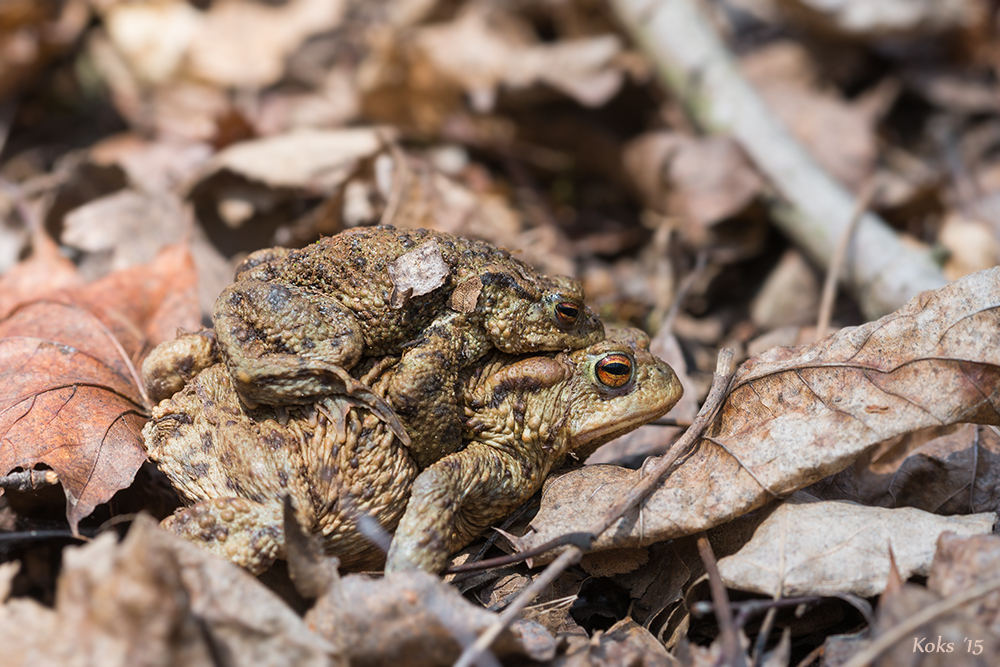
[336, 407]
[337, 384]
[241, 531]
[171, 364]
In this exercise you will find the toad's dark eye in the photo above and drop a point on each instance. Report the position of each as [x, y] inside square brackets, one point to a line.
[614, 370]
[566, 313]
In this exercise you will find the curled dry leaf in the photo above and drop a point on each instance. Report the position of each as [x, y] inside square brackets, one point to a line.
[70, 394]
[796, 415]
[963, 562]
[156, 600]
[234, 43]
[246, 44]
[414, 619]
[810, 547]
[484, 49]
[316, 159]
[132, 225]
[955, 471]
[704, 180]
[432, 199]
[624, 643]
[956, 630]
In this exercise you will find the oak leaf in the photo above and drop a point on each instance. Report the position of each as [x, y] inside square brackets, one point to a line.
[70, 395]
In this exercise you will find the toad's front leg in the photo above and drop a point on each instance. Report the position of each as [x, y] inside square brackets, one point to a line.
[424, 388]
[284, 345]
[454, 501]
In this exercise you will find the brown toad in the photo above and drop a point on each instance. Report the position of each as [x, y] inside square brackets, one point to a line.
[523, 416]
[295, 321]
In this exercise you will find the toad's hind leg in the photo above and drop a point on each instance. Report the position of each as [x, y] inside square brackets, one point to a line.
[284, 346]
[241, 531]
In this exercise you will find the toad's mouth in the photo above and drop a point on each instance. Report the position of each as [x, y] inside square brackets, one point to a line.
[590, 436]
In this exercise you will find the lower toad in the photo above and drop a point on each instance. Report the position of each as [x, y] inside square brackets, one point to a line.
[523, 417]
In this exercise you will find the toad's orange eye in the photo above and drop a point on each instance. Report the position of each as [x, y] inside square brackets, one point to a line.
[614, 370]
[567, 312]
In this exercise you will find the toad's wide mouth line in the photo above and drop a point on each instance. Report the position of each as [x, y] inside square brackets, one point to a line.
[613, 429]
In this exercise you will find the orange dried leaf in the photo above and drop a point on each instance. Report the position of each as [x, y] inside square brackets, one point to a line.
[43, 272]
[70, 394]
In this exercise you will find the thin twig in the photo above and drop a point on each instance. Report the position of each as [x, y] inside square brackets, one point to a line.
[670, 421]
[685, 287]
[510, 614]
[28, 480]
[400, 181]
[839, 256]
[720, 600]
[975, 469]
[652, 478]
[884, 641]
[813, 656]
[573, 539]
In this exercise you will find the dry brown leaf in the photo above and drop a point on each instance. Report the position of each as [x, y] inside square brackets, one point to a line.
[963, 562]
[789, 296]
[245, 44]
[428, 198]
[811, 547]
[419, 271]
[414, 619]
[44, 271]
[702, 179]
[318, 160]
[151, 166]
[840, 135]
[797, 415]
[956, 634]
[485, 48]
[972, 245]
[70, 394]
[133, 226]
[624, 643]
[233, 44]
[156, 600]
[953, 470]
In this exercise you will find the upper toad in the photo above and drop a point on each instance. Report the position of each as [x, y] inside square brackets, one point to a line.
[295, 321]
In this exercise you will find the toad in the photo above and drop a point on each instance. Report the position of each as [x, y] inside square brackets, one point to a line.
[296, 321]
[346, 475]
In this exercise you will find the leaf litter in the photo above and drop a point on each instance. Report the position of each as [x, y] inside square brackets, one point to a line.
[540, 128]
